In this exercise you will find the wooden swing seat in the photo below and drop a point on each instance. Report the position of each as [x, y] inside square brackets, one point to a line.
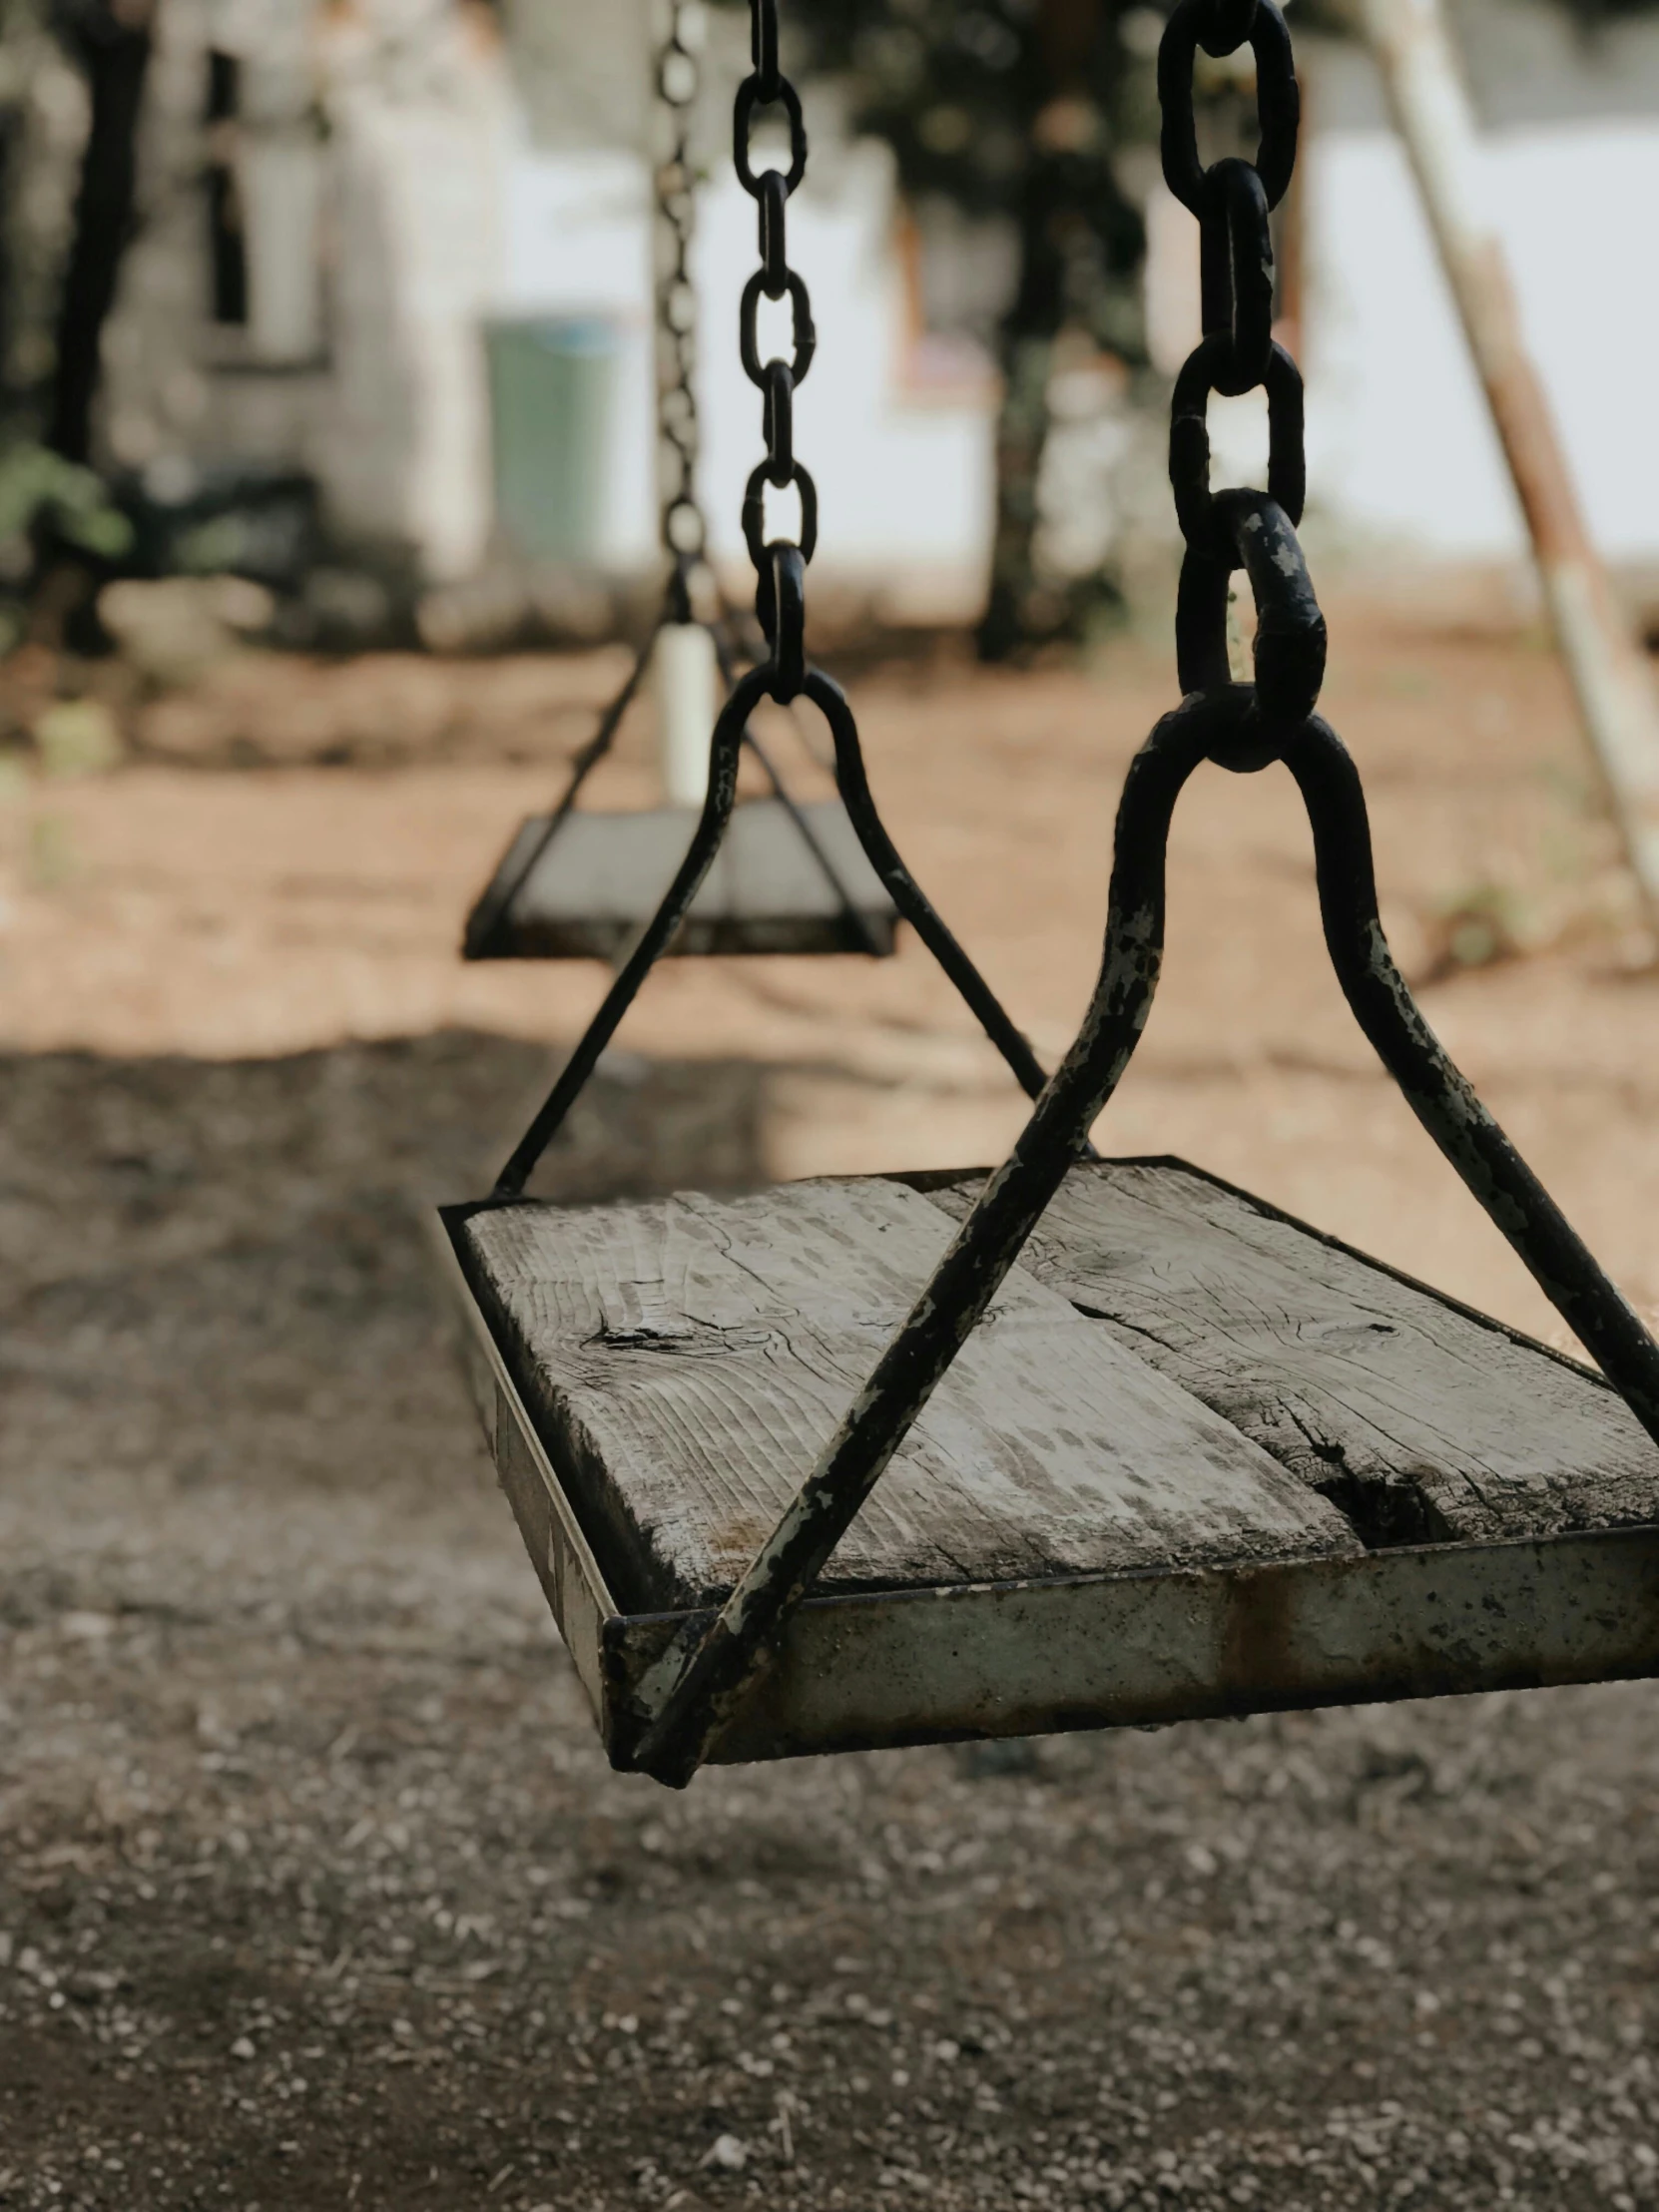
[1198, 1459]
[602, 877]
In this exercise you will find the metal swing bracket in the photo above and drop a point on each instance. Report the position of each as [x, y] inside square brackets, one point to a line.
[771, 680]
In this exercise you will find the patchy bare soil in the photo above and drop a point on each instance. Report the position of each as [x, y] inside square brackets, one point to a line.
[313, 1891]
[173, 908]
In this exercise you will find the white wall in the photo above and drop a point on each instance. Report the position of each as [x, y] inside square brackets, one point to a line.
[578, 241]
[903, 470]
[1400, 448]
[445, 214]
[424, 126]
[1400, 442]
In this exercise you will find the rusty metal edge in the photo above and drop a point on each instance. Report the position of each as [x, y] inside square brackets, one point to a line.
[559, 1551]
[876, 1671]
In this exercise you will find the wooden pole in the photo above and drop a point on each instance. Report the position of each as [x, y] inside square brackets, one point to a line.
[685, 676]
[1609, 674]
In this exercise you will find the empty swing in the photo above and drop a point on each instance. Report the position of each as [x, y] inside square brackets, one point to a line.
[579, 885]
[885, 1459]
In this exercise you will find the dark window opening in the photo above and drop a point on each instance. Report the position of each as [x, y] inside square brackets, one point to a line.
[227, 238]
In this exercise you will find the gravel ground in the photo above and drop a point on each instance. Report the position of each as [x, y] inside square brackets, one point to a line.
[314, 1891]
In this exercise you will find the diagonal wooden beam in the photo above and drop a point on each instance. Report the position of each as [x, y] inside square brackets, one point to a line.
[1609, 675]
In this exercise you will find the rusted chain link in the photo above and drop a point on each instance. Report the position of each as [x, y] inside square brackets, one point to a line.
[779, 598]
[685, 532]
[1236, 354]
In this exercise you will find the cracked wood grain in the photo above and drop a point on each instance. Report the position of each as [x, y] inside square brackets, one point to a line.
[1422, 1421]
[685, 1361]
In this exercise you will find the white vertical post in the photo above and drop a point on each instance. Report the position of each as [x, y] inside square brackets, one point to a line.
[1609, 674]
[685, 676]
[279, 172]
[280, 181]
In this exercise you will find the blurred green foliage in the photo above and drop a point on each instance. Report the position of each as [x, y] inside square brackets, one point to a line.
[41, 491]
[1012, 108]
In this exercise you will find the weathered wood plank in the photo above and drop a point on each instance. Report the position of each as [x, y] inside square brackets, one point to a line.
[1422, 1421]
[686, 1361]
[604, 874]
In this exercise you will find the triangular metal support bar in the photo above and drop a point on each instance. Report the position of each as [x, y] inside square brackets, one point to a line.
[692, 1692]
[654, 939]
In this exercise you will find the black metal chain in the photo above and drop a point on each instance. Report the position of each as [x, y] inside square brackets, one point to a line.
[778, 562]
[685, 532]
[1256, 530]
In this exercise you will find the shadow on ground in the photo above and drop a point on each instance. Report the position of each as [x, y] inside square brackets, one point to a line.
[314, 1893]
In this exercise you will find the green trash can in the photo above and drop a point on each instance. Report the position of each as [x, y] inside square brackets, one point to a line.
[551, 382]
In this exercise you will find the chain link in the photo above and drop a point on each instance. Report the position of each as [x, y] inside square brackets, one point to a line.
[779, 599]
[1253, 530]
[685, 533]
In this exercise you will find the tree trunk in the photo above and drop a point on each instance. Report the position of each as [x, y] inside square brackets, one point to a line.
[1081, 248]
[111, 38]
[1021, 434]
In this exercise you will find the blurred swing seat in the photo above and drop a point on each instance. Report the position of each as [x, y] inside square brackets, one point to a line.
[584, 891]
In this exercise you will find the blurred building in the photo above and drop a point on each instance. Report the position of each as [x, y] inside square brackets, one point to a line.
[406, 245]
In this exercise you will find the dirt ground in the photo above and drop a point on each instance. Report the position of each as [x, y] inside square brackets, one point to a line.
[314, 1888]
